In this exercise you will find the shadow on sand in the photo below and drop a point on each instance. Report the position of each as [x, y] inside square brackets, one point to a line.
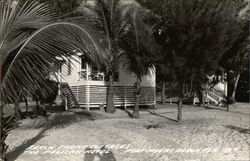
[56, 120]
[239, 129]
[156, 114]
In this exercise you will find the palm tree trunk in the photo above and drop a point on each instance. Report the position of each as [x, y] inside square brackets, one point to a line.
[137, 97]
[163, 98]
[110, 95]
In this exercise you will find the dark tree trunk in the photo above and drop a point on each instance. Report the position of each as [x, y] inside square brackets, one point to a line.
[201, 96]
[137, 97]
[179, 116]
[180, 102]
[110, 95]
[26, 105]
[17, 111]
[203, 99]
[163, 98]
[228, 107]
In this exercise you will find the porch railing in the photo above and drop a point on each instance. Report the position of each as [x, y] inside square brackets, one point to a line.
[91, 75]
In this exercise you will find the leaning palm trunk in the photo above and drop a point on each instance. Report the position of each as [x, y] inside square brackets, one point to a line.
[137, 99]
[110, 96]
[7, 124]
[2, 140]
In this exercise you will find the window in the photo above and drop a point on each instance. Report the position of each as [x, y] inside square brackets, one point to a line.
[96, 74]
[83, 75]
[83, 63]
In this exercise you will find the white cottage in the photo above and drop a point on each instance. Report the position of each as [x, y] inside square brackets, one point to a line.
[83, 85]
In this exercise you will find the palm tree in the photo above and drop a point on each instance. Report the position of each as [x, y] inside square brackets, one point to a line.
[109, 17]
[137, 44]
[31, 40]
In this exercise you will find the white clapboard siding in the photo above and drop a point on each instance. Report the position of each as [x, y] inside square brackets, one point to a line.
[123, 95]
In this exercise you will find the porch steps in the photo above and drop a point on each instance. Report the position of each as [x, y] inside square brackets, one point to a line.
[215, 96]
[67, 92]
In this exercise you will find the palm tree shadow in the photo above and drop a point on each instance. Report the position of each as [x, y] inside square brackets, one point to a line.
[61, 120]
[109, 156]
[13, 155]
[156, 114]
[239, 129]
[214, 108]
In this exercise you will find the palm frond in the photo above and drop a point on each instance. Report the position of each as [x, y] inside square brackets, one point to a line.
[110, 20]
[137, 42]
[29, 49]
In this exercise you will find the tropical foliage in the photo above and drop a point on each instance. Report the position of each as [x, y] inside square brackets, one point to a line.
[31, 41]
[60, 6]
[110, 20]
[194, 35]
[138, 45]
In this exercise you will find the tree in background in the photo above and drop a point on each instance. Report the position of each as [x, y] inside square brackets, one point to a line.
[235, 60]
[165, 77]
[196, 33]
[243, 88]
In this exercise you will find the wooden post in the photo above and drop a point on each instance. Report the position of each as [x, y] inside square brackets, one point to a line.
[59, 89]
[87, 86]
[125, 97]
[77, 93]
[154, 96]
[225, 85]
[66, 104]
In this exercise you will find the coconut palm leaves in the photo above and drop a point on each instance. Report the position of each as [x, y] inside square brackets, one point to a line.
[31, 41]
[137, 44]
[120, 22]
[109, 18]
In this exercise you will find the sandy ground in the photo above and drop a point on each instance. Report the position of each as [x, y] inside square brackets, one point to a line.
[203, 134]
